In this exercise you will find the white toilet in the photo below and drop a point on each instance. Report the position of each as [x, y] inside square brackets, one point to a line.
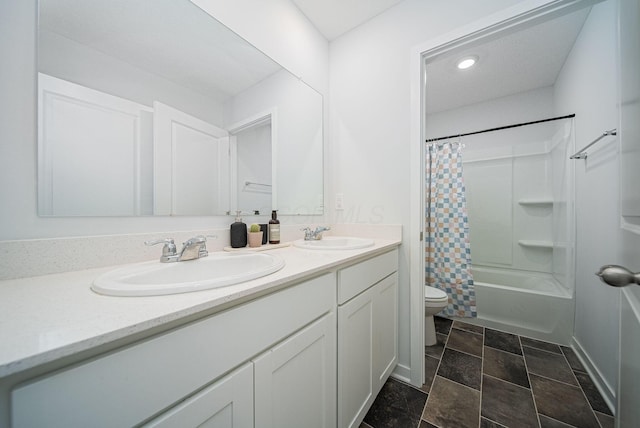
[435, 300]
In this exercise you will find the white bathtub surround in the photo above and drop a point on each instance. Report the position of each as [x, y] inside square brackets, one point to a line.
[519, 185]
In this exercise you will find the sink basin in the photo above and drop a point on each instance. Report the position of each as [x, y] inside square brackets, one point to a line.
[335, 243]
[216, 270]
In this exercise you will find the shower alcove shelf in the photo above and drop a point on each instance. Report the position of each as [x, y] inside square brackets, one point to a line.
[533, 243]
[538, 203]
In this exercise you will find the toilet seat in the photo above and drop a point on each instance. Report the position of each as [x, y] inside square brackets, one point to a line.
[434, 295]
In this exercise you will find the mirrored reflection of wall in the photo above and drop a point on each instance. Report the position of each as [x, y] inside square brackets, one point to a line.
[253, 160]
[160, 60]
[297, 150]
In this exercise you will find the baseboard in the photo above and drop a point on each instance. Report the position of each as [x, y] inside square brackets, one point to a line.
[403, 373]
[607, 392]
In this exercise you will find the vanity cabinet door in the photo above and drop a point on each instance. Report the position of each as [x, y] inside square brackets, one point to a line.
[355, 359]
[295, 381]
[385, 330]
[228, 403]
[367, 348]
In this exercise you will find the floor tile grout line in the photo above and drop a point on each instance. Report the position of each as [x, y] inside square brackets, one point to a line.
[510, 383]
[533, 395]
[464, 352]
[573, 372]
[437, 369]
[559, 381]
[481, 381]
[558, 420]
[544, 350]
[584, 394]
[469, 331]
[495, 422]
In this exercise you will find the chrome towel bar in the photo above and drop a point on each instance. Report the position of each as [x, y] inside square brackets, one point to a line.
[582, 154]
[251, 183]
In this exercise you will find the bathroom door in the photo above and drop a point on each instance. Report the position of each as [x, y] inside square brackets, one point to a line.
[191, 164]
[629, 239]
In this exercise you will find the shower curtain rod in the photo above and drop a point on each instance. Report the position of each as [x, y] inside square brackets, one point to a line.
[500, 128]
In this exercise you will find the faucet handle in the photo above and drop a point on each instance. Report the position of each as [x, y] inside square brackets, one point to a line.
[307, 233]
[168, 250]
[201, 241]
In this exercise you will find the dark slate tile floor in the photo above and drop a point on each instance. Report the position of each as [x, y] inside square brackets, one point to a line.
[483, 378]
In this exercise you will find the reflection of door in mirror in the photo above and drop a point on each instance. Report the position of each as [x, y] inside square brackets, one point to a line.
[180, 56]
[94, 152]
[191, 164]
[251, 156]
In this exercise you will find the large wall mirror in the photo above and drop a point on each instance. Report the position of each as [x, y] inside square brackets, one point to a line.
[152, 107]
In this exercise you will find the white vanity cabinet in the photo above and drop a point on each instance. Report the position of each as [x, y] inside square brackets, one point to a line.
[271, 361]
[227, 403]
[367, 333]
[295, 382]
[294, 387]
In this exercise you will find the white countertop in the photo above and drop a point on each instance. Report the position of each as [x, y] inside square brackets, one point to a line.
[48, 317]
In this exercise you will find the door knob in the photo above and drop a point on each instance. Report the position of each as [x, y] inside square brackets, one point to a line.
[618, 276]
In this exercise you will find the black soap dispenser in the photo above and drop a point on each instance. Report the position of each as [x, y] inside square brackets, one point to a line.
[238, 233]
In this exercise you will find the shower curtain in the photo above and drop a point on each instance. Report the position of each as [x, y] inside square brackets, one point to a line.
[448, 253]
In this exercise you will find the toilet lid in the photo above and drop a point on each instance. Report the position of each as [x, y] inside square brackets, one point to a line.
[432, 293]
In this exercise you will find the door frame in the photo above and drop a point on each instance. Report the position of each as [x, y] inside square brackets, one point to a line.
[270, 116]
[497, 25]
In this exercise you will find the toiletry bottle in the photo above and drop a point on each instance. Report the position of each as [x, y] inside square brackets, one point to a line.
[274, 228]
[238, 233]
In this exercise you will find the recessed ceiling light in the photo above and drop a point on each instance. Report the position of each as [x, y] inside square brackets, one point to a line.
[467, 62]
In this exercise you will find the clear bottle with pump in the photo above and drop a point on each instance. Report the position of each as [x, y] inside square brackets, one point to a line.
[274, 228]
[238, 233]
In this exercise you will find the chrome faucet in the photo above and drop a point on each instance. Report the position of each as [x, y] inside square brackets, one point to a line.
[193, 248]
[314, 235]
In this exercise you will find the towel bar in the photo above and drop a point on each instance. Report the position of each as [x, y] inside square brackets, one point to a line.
[582, 154]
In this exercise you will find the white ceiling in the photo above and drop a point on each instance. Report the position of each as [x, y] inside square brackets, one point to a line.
[335, 17]
[520, 62]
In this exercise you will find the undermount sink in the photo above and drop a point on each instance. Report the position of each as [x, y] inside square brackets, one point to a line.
[335, 243]
[214, 271]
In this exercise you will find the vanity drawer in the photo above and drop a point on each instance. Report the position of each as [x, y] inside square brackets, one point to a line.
[128, 386]
[353, 280]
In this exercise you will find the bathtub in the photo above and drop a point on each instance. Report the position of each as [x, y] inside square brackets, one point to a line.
[524, 303]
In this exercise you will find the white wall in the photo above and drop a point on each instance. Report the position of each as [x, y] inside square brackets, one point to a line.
[277, 27]
[523, 107]
[68, 60]
[370, 151]
[587, 86]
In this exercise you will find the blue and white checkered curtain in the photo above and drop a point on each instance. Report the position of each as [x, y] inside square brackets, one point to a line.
[448, 253]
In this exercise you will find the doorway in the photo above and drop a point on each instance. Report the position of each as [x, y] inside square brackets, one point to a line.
[492, 28]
